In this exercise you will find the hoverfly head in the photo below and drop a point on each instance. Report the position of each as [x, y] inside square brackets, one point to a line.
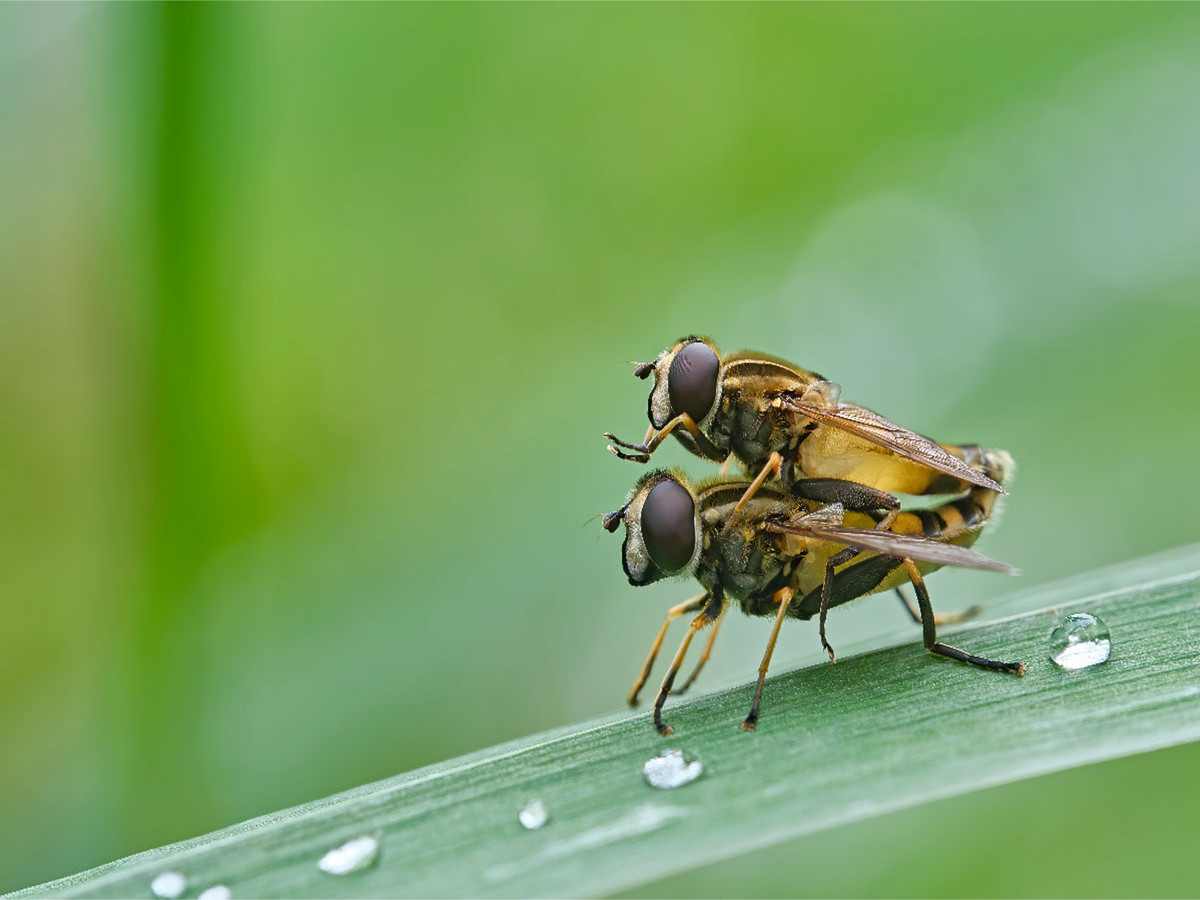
[686, 380]
[662, 530]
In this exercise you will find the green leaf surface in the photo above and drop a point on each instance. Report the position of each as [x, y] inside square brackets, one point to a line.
[877, 731]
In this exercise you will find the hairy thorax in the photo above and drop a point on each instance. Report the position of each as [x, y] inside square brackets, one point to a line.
[746, 425]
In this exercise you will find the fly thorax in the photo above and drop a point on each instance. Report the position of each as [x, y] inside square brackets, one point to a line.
[754, 433]
[742, 553]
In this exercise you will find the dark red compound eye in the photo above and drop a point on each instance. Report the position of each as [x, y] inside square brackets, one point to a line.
[669, 525]
[692, 380]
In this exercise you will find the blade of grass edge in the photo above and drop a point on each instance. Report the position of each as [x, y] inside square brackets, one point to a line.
[876, 732]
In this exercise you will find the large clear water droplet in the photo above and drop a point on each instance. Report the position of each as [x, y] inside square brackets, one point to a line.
[671, 769]
[352, 856]
[168, 885]
[533, 815]
[216, 892]
[1080, 640]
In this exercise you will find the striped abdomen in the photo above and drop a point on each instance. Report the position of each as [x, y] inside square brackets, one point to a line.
[959, 521]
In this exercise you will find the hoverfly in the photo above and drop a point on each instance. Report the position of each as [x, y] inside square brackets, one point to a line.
[796, 550]
[780, 420]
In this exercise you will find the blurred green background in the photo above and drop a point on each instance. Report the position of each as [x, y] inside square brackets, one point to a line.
[311, 318]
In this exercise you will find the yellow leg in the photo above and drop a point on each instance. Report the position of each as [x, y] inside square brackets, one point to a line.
[886, 522]
[673, 613]
[712, 638]
[771, 468]
[783, 597]
[650, 444]
[697, 623]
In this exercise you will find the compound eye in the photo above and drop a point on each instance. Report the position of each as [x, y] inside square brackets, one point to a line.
[669, 525]
[692, 380]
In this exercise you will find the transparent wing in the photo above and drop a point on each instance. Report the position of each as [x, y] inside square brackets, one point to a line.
[888, 543]
[826, 517]
[884, 432]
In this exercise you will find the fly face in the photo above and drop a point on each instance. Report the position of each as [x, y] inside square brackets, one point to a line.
[686, 380]
[662, 529]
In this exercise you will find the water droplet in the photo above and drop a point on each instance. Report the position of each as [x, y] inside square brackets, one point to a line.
[168, 885]
[533, 815]
[1080, 640]
[671, 769]
[216, 892]
[352, 856]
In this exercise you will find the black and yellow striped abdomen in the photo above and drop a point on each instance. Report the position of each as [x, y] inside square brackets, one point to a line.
[959, 521]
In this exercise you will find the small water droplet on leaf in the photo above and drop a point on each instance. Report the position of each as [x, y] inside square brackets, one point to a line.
[168, 885]
[1080, 640]
[533, 815]
[352, 856]
[671, 769]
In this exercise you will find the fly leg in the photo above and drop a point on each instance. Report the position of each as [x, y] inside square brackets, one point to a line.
[650, 444]
[836, 560]
[711, 612]
[783, 597]
[712, 639]
[948, 619]
[929, 626]
[771, 468]
[673, 613]
[853, 496]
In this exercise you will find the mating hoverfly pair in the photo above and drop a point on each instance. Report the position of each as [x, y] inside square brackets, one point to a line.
[814, 524]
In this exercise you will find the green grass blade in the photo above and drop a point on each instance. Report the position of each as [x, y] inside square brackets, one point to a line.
[876, 732]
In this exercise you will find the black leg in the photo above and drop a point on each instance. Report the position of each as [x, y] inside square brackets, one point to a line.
[929, 626]
[836, 560]
[853, 496]
[947, 619]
